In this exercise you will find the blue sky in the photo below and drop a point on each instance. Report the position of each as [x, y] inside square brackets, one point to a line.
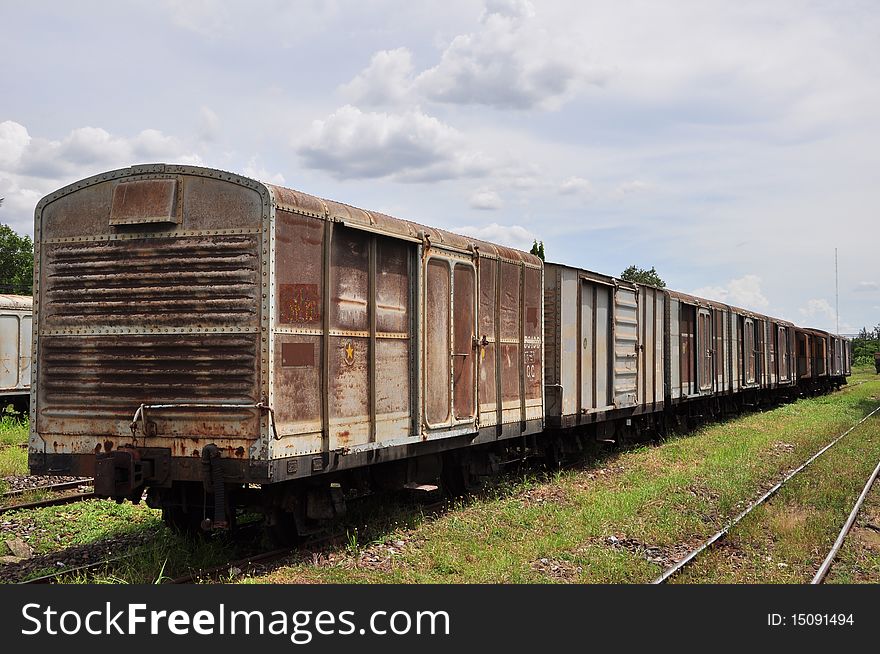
[731, 145]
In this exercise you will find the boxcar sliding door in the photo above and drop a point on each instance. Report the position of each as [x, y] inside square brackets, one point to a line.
[704, 350]
[463, 341]
[450, 323]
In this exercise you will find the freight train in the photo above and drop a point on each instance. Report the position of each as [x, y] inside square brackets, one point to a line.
[212, 343]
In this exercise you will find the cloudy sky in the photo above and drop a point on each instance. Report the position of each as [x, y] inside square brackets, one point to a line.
[733, 145]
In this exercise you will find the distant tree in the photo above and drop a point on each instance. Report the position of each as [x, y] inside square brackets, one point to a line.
[642, 276]
[16, 262]
[865, 344]
[538, 249]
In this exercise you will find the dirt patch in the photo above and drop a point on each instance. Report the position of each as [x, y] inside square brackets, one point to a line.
[584, 477]
[779, 448]
[790, 518]
[867, 537]
[544, 494]
[662, 555]
[702, 491]
[379, 556]
[557, 569]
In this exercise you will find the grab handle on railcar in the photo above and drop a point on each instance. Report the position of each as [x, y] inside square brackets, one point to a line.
[141, 413]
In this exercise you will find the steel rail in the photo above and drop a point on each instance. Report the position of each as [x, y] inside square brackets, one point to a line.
[243, 563]
[718, 535]
[850, 521]
[60, 486]
[52, 501]
[52, 576]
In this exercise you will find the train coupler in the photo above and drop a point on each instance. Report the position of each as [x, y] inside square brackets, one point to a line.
[123, 473]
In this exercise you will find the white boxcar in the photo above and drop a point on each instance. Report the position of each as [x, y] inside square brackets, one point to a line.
[15, 345]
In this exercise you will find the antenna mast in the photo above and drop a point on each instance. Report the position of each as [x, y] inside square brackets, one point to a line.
[836, 293]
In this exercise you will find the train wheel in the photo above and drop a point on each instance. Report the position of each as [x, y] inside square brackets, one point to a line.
[455, 474]
[281, 528]
[183, 520]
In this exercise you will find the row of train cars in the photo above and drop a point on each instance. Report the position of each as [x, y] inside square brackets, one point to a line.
[221, 342]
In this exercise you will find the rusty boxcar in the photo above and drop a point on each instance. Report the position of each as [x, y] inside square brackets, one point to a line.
[195, 327]
[15, 350]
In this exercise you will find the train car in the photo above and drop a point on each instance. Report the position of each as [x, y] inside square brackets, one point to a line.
[703, 359]
[200, 334]
[830, 367]
[15, 351]
[604, 349]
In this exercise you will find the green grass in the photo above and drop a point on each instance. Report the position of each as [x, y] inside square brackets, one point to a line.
[859, 559]
[785, 539]
[13, 460]
[656, 501]
[146, 550]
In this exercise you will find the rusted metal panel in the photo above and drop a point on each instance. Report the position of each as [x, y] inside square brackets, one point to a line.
[719, 350]
[783, 356]
[393, 397]
[297, 392]
[675, 343]
[159, 321]
[704, 351]
[437, 342]
[511, 367]
[144, 201]
[533, 364]
[488, 320]
[463, 341]
[349, 342]
[15, 344]
[149, 283]
[393, 339]
[297, 397]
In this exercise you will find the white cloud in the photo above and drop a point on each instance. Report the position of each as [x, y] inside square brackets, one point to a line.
[256, 170]
[576, 186]
[634, 187]
[742, 292]
[513, 236]
[408, 147]
[510, 63]
[386, 81]
[818, 308]
[486, 199]
[209, 124]
[14, 140]
[31, 167]
[867, 287]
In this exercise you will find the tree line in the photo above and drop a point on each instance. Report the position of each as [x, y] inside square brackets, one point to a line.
[865, 345]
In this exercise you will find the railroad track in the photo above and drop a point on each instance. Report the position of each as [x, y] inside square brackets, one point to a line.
[819, 577]
[55, 576]
[718, 535]
[49, 501]
[277, 554]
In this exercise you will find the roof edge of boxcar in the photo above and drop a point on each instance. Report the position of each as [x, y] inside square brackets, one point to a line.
[16, 302]
[284, 198]
[595, 276]
[297, 201]
[153, 169]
